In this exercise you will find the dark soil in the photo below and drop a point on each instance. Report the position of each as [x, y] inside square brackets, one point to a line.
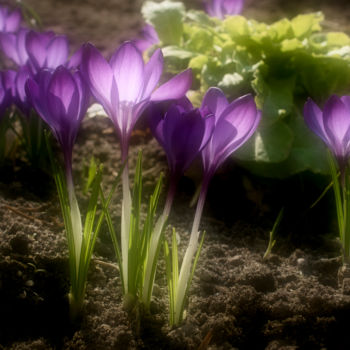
[237, 300]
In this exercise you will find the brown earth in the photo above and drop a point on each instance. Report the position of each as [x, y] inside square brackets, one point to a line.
[238, 300]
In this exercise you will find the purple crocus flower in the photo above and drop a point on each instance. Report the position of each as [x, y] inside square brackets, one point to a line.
[149, 37]
[235, 123]
[332, 125]
[182, 131]
[46, 50]
[220, 8]
[125, 85]
[9, 21]
[61, 99]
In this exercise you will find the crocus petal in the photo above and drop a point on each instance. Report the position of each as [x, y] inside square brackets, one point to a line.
[215, 101]
[175, 88]
[9, 46]
[13, 21]
[35, 91]
[234, 127]
[36, 49]
[156, 121]
[148, 38]
[232, 7]
[62, 86]
[75, 61]
[337, 124]
[153, 71]
[101, 79]
[57, 52]
[346, 101]
[13, 45]
[314, 120]
[241, 113]
[21, 99]
[128, 68]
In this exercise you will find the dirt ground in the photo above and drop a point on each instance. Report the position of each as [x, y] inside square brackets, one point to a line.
[238, 300]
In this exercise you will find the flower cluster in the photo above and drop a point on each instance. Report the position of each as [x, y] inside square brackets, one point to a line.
[59, 89]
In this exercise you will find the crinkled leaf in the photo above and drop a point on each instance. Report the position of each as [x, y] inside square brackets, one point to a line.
[167, 18]
[270, 144]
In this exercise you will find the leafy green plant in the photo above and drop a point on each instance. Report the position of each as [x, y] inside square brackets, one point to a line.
[139, 243]
[80, 248]
[283, 63]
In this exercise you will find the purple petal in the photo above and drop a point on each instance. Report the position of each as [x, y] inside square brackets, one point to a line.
[232, 7]
[242, 114]
[153, 71]
[57, 52]
[21, 98]
[13, 21]
[148, 38]
[13, 46]
[346, 101]
[75, 61]
[36, 46]
[175, 88]
[337, 124]
[156, 121]
[101, 80]
[313, 117]
[215, 101]
[128, 68]
[235, 126]
[63, 87]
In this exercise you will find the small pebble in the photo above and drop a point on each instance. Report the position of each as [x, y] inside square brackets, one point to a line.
[29, 283]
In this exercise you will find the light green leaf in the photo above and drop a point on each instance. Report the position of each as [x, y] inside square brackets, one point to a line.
[201, 40]
[236, 26]
[197, 63]
[281, 30]
[167, 17]
[337, 39]
[269, 145]
[291, 45]
[275, 96]
[304, 25]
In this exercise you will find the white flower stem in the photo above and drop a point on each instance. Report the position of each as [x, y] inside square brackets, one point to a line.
[126, 217]
[75, 214]
[186, 265]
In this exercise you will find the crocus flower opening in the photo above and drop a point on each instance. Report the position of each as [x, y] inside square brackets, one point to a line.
[46, 50]
[235, 123]
[332, 125]
[221, 8]
[182, 131]
[61, 99]
[125, 85]
[9, 21]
